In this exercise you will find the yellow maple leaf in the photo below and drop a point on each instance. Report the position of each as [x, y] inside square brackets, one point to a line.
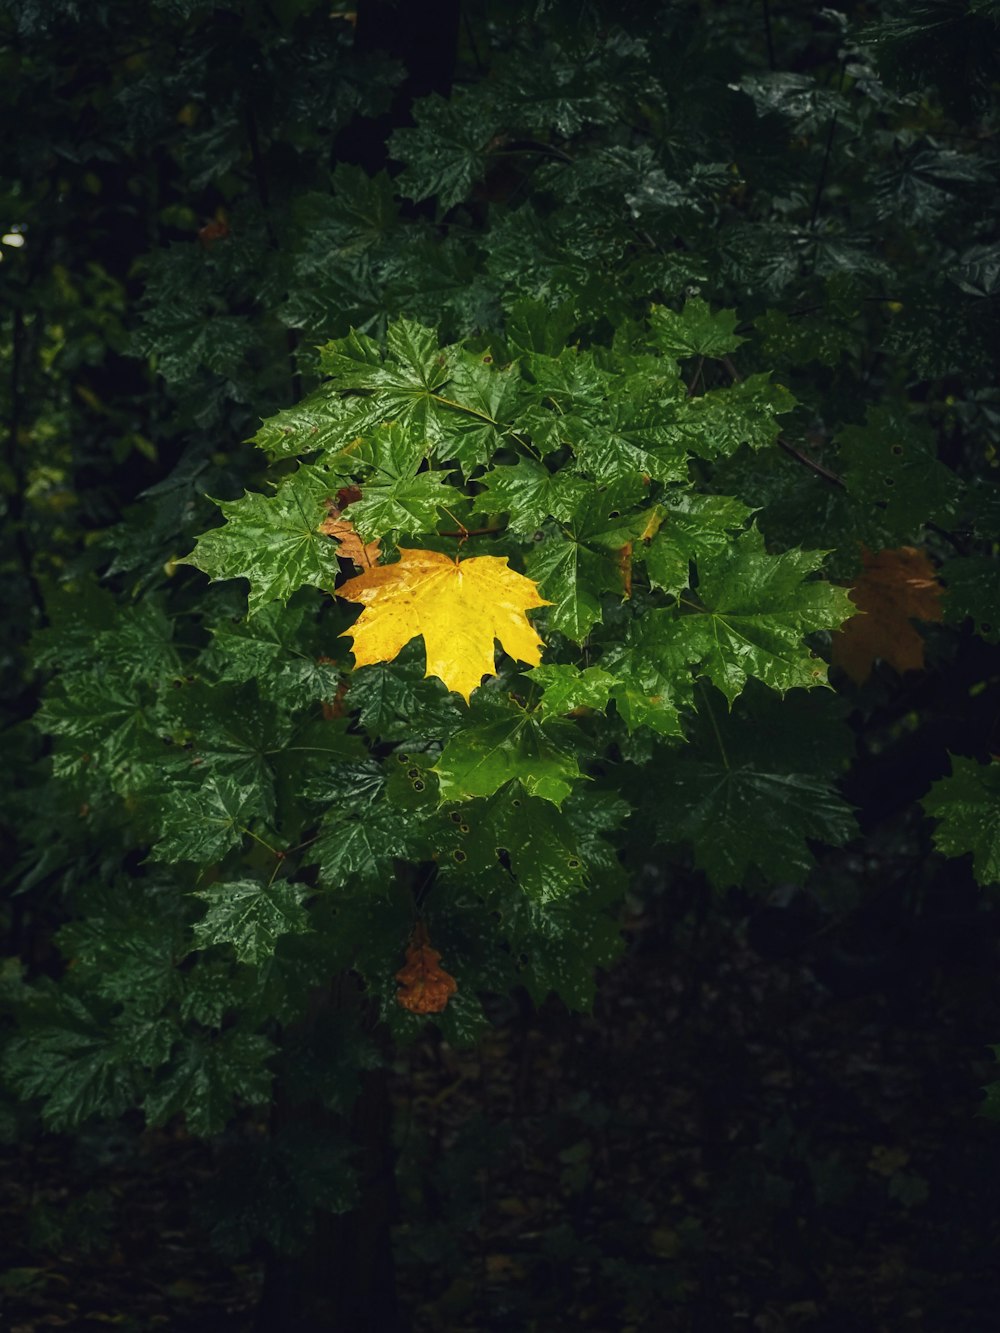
[459, 606]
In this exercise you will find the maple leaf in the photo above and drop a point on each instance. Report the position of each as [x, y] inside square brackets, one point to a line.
[349, 544]
[426, 986]
[459, 606]
[896, 585]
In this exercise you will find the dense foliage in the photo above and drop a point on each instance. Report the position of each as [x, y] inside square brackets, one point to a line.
[684, 314]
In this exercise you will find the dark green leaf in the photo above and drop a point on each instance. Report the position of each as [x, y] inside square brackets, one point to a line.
[893, 468]
[251, 916]
[695, 331]
[743, 805]
[208, 1077]
[274, 542]
[967, 806]
[203, 823]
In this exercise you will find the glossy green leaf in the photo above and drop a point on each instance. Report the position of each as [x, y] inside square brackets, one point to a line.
[755, 612]
[203, 823]
[397, 498]
[81, 1062]
[323, 421]
[529, 493]
[972, 588]
[444, 153]
[745, 806]
[574, 570]
[362, 847]
[568, 687]
[967, 807]
[251, 916]
[697, 330]
[208, 1077]
[483, 757]
[716, 423]
[567, 946]
[481, 403]
[517, 840]
[274, 542]
[691, 528]
[573, 578]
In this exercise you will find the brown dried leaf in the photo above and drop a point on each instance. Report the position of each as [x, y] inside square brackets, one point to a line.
[425, 984]
[350, 545]
[896, 585]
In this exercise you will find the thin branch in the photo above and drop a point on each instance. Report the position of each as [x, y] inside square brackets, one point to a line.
[467, 24]
[821, 183]
[804, 459]
[768, 38]
[808, 462]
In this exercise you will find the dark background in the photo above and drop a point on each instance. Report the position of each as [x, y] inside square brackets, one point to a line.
[772, 1118]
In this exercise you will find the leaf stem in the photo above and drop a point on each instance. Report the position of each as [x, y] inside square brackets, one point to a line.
[273, 850]
[715, 726]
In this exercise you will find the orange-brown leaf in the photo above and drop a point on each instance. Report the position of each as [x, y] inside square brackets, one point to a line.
[624, 560]
[896, 586]
[425, 985]
[350, 546]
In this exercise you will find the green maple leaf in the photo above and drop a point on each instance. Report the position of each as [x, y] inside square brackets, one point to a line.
[362, 849]
[755, 611]
[445, 153]
[81, 1060]
[280, 648]
[742, 803]
[892, 467]
[274, 542]
[695, 331]
[208, 1076]
[251, 916]
[398, 498]
[629, 433]
[352, 362]
[692, 528]
[517, 840]
[127, 945]
[230, 731]
[99, 720]
[967, 806]
[972, 588]
[358, 216]
[573, 571]
[540, 326]
[573, 578]
[201, 824]
[573, 380]
[568, 687]
[565, 947]
[529, 494]
[481, 403]
[323, 421]
[396, 701]
[481, 758]
[652, 675]
[403, 385]
[717, 423]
